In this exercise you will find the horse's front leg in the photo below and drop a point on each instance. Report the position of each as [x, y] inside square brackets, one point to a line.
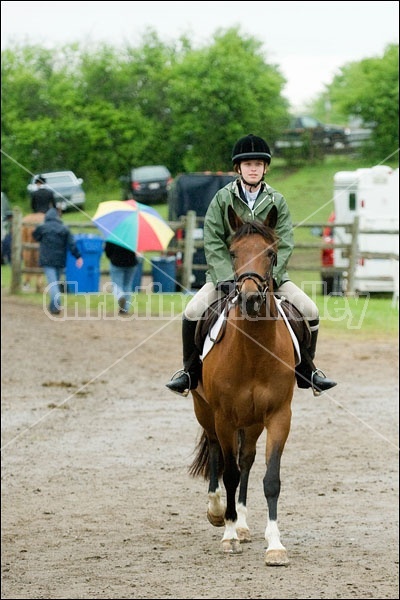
[230, 540]
[276, 554]
[247, 453]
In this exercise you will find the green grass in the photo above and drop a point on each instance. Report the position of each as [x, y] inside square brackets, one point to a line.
[364, 316]
[359, 317]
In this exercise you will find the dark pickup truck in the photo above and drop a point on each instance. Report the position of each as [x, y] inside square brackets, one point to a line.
[306, 131]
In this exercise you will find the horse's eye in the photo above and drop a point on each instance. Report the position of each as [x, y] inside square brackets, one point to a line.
[232, 255]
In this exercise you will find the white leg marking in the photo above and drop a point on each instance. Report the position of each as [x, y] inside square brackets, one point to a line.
[273, 536]
[241, 522]
[242, 529]
[230, 531]
[216, 505]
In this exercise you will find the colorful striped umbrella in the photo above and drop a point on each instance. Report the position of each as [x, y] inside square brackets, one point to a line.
[133, 225]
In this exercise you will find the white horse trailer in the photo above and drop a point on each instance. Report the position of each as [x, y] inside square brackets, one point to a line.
[372, 194]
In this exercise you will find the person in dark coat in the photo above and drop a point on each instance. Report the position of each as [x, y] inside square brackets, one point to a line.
[42, 198]
[123, 264]
[55, 239]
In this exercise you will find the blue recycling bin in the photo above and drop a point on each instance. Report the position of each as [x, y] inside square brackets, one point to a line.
[164, 273]
[137, 278]
[87, 278]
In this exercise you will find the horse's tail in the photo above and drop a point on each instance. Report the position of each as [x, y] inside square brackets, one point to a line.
[200, 466]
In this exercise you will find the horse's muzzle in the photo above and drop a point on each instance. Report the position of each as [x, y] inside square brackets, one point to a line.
[250, 303]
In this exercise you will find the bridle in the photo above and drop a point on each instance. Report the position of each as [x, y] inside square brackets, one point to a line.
[262, 283]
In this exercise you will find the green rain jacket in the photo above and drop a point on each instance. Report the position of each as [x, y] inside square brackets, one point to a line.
[218, 233]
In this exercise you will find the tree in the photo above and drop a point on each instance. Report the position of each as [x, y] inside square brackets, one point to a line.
[217, 94]
[99, 110]
[369, 89]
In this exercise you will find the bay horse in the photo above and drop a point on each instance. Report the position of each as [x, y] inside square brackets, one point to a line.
[247, 386]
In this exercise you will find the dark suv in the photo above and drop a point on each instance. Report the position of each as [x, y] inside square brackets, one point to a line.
[306, 130]
[148, 184]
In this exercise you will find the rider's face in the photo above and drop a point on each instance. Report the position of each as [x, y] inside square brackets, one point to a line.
[252, 170]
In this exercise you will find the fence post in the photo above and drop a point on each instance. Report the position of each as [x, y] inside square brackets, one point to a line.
[353, 258]
[189, 250]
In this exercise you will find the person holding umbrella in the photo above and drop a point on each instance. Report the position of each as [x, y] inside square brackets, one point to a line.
[129, 227]
[123, 264]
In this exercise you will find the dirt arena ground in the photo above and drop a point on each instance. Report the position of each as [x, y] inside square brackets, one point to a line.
[96, 499]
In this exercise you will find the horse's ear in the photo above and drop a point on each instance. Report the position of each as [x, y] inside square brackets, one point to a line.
[234, 220]
[272, 218]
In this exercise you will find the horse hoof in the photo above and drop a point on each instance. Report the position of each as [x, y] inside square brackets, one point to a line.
[243, 534]
[216, 520]
[231, 547]
[276, 558]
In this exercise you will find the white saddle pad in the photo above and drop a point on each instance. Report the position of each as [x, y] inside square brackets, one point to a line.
[212, 335]
[215, 329]
[292, 335]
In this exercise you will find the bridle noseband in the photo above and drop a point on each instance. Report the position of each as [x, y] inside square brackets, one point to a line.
[260, 281]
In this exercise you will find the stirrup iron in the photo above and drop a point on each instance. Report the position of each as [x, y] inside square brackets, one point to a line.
[177, 374]
[314, 389]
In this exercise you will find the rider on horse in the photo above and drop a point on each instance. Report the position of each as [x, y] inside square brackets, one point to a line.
[252, 198]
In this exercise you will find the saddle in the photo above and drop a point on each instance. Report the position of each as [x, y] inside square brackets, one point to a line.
[298, 323]
[296, 320]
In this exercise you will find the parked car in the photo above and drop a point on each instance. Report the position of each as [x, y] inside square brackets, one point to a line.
[67, 188]
[148, 184]
[305, 129]
[194, 191]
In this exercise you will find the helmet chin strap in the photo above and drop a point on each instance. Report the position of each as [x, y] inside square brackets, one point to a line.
[251, 185]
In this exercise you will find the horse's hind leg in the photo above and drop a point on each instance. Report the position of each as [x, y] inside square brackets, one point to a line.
[216, 506]
[209, 461]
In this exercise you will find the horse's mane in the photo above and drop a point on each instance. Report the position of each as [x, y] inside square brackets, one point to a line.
[250, 227]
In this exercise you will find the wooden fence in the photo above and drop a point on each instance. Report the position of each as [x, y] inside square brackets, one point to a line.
[187, 244]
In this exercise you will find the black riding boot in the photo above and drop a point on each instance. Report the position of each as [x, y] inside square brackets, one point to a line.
[307, 375]
[187, 378]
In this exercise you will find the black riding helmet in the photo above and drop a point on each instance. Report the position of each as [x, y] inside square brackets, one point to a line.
[251, 147]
